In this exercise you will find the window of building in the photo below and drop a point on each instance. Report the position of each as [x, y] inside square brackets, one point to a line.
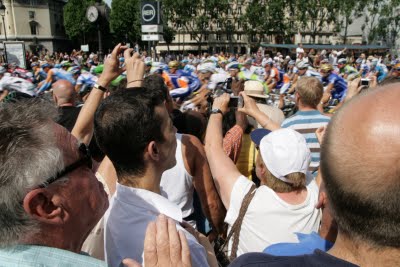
[218, 37]
[229, 37]
[205, 37]
[239, 37]
[192, 37]
[253, 38]
[33, 25]
[219, 24]
[239, 25]
[239, 11]
[31, 14]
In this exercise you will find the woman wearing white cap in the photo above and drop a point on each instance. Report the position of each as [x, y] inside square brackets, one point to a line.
[285, 202]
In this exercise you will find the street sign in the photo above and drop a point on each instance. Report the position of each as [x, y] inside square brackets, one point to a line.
[152, 37]
[152, 28]
[85, 48]
[151, 12]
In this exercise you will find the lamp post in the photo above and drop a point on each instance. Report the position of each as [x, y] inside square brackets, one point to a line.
[2, 14]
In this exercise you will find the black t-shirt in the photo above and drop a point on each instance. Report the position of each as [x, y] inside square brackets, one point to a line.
[318, 258]
[68, 116]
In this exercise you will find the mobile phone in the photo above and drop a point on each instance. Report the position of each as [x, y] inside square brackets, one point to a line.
[365, 82]
[236, 102]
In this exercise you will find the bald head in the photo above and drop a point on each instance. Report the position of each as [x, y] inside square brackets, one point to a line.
[360, 163]
[63, 92]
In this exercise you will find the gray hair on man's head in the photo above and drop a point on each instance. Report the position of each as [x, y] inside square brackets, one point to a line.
[28, 156]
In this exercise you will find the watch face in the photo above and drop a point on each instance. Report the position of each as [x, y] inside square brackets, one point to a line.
[92, 13]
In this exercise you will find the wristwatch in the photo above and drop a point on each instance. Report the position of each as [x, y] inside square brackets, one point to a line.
[98, 86]
[216, 111]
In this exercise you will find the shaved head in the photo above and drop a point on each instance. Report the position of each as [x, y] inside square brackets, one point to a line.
[64, 92]
[360, 164]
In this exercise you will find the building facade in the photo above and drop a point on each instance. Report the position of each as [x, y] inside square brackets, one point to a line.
[234, 36]
[39, 23]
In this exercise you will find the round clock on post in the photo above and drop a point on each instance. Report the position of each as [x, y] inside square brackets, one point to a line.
[92, 13]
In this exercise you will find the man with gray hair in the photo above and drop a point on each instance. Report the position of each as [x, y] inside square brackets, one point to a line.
[49, 196]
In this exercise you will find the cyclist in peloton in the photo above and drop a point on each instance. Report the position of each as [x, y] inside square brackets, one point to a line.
[335, 85]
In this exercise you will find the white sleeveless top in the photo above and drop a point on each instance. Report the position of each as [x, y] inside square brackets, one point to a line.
[177, 184]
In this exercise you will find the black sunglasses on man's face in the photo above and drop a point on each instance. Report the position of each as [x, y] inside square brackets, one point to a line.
[85, 160]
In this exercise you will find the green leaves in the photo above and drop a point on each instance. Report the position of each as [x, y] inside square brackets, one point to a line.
[125, 19]
[75, 22]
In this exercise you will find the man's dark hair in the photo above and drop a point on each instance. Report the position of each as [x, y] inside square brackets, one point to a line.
[125, 123]
[156, 83]
[364, 212]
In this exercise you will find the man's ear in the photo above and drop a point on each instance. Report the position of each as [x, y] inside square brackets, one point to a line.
[153, 151]
[44, 206]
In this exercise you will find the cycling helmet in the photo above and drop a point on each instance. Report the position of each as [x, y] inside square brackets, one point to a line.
[292, 62]
[342, 61]
[173, 64]
[302, 65]
[34, 64]
[206, 67]
[233, 65]
[74, 70]
[185, 61]
[65, 64]
[326, 67]
[57, 66]
[148, 61]
[46, 65]
[98, 69]
[189, 68]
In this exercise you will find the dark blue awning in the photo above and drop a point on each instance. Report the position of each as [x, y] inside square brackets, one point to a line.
[328, 47]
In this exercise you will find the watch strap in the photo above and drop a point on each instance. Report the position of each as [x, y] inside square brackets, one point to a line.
[98, 86]
[216, 111]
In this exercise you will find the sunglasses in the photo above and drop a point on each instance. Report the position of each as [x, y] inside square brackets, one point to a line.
[85, 160]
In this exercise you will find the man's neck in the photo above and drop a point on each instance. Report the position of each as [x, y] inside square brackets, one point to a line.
[305, 108]
[359, 253]
[69, 240]
[150, 181]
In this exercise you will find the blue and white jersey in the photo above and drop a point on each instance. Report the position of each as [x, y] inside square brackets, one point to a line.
[87, 79]
[381, 71]
[306, 123]
[60, 74]
[39, 76]
[339, 85]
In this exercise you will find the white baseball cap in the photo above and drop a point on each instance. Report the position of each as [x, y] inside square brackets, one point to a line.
[283, 151]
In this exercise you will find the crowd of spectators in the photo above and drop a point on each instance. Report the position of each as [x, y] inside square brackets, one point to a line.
[237, 186]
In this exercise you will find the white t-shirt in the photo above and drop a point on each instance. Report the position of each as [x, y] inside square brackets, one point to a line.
[269, 219]
[177, 184]
[126, 220]
[299, 50]
[12, 84]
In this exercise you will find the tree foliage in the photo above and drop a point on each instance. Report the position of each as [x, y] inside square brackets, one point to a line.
[384, 21]
[75, 22]
[195, 17]
[125, 19]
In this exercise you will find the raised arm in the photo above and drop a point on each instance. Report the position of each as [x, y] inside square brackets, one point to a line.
[203, 182]
[222, 168]
[84, 126]
[250, 108]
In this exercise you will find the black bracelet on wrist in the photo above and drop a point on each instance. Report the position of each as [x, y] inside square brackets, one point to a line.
[98, 86]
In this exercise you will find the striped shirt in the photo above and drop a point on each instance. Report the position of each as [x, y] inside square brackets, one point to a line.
[306, 123]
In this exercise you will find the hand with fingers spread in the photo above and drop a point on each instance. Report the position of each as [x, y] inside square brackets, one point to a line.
[354, 88]
[111, 67]
[164, 246]
[135, 68]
